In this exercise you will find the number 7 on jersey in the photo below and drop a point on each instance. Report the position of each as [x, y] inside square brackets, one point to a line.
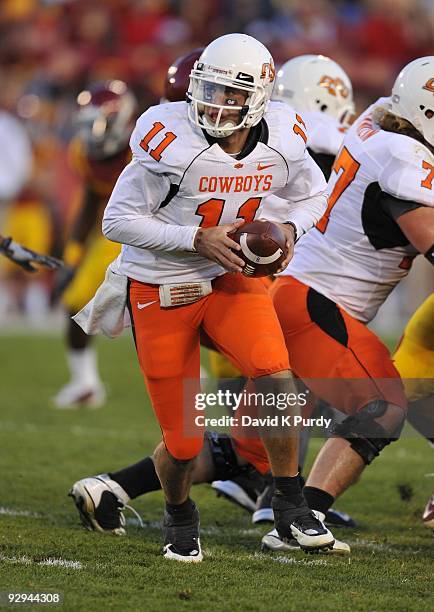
[349, 166]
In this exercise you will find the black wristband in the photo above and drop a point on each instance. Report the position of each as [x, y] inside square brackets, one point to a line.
[294, 227]
[430, 255]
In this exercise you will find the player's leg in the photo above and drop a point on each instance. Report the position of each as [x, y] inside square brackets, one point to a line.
[240, 319]
[167, 343]
[244, 489]
[85, 386]
[364, 384]
[414, 359]
[101, 499]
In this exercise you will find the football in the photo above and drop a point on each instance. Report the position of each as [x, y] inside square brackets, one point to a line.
[263, 247]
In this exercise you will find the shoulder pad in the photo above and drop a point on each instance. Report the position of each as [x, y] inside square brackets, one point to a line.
[404, 148]
[287, 130]
[164, 139]
[408, 172]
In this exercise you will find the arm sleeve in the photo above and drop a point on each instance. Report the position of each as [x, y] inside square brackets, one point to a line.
[306, 194]
[130, 216]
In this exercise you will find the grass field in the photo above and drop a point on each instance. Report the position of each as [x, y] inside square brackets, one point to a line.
[43, 451]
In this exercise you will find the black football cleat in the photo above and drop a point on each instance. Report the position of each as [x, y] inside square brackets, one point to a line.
[242, 490]
[181, 537]
[100, 501]
[296, 520]
[271, 541]
[263, 511]
[336, 518]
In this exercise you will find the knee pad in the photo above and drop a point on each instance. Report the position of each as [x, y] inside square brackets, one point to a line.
[367, 438]
[223, 456]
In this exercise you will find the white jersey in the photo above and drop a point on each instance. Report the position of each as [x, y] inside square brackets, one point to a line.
[324, 138]
[180, 180]
[324, 133]
[15, 156]
[357, 253]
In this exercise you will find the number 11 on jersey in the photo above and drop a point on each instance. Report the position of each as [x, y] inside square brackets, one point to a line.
[211, 211]
[158, 150]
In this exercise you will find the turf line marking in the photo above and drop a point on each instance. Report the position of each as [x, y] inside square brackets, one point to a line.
[12, 512]
[49, 561]
[288, 560]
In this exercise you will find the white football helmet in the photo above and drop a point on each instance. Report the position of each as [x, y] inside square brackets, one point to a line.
[315, 83]
[230, 85]
[413, 96]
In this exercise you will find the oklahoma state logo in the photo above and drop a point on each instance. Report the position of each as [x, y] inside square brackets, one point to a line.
[334, 86]
[268, 70]
[429, 85]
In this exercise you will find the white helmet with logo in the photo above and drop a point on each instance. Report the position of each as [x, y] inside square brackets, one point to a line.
[315, 83]
[413, 95]
[234, 73]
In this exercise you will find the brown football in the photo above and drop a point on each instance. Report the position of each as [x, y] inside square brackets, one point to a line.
[263, 247]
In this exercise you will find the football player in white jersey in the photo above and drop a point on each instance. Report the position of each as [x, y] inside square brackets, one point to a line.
[380, 216]
[199, 171]
[320, 90]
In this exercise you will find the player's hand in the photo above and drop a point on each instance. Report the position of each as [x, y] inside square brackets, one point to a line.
[26, 257]
[63, 279]
[215, 244]
[290, 240]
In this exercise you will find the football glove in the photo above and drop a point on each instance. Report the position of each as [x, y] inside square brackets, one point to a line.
[25, 257]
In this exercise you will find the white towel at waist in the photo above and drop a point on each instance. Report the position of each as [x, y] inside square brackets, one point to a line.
[106, 312]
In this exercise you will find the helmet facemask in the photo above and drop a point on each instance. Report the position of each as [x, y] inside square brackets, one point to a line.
[221, 104]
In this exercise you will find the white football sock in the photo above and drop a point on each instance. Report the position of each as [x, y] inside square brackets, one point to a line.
[83, 365]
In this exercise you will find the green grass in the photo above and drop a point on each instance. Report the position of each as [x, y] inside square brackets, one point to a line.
[42, 451]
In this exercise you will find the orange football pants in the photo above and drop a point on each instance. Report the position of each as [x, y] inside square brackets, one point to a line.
[239, 318]
[325, 342]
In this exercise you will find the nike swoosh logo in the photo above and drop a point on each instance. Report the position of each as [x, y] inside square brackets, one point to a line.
[142, 306]
[261, 167]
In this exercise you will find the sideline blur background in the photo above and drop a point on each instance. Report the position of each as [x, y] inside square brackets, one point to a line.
[51, 49]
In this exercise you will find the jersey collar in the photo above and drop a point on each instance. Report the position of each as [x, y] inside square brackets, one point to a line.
[258, 133]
